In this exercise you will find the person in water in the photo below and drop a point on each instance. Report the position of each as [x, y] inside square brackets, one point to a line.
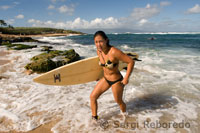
[109, 58]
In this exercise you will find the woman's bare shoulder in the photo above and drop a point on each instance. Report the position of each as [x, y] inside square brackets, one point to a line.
[115, 51]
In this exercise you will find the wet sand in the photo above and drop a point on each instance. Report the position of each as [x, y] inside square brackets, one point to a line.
[3, 54]
[46, 128]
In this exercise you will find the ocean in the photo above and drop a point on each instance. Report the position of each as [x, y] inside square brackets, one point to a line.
[163, 94]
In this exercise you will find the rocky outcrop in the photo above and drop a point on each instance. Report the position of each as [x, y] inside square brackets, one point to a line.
[47, 61]
[18, 46]
[16, 39]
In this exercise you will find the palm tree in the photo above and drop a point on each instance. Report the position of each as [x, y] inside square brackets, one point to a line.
[3, 23]
[10, 26]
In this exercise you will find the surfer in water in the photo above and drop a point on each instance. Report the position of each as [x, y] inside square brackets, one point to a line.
[109, 58]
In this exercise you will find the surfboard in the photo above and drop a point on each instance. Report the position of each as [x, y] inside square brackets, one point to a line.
[79, 72]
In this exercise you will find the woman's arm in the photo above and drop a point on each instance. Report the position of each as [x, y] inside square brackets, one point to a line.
[125, 58]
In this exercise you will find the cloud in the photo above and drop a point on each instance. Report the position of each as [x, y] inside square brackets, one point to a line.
[164, 3]
[79, 23]
[53, 1]
[10, 21]
[194, 10]
[66, 9]
[50, 7]
[16, 3]
[138, 19]
[20, 16]
[5, 7]
[145, 13]
[142, 22]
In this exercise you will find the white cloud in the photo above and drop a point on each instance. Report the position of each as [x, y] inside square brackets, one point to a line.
[10, 21]
[194, 10]
[16, 3]
[51, 7]
[79, 23]
[164, 3]
[66, 9]
[54, 1]
[145, 13]
[20, 16]
[142, 22]
[5, 7]
[35, 22]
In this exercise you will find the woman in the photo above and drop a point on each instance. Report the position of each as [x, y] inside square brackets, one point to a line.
[109, 58]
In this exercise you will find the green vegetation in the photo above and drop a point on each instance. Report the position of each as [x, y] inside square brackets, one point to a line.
[9, 29]
[3, 23]
[34, 31]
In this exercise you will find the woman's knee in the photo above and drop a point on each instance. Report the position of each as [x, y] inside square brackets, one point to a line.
[93, 97]
[119, 101]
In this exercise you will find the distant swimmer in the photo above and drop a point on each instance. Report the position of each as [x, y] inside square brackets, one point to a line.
[152, 38]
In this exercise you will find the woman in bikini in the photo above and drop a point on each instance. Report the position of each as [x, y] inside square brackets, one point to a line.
[109, 58]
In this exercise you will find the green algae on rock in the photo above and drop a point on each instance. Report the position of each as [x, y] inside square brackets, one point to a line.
[45, 62]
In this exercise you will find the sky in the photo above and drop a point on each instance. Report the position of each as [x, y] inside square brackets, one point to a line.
[110, 15]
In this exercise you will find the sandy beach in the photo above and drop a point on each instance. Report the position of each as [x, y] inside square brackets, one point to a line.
[45, 128]
[2, 55]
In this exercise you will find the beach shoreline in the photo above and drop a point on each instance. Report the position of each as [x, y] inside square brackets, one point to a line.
[44, 128]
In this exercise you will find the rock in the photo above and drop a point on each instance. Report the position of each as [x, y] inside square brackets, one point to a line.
[18, 46]
[22, 46]
[24, 39]
[3, 77]
[47, 61]
[18, 39]
[46, 48]
[41, 65]
[0, 40]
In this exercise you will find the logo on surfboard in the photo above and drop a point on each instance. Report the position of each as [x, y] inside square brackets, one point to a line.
[57, 77]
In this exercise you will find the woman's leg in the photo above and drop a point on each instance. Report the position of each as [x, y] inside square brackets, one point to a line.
[117, 90]
[100, 88]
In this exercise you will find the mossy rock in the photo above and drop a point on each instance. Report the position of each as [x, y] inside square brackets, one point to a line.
[46, 48]
[6, 43]
[47, 61]
[18, 39]
[41, 65]
[22, 46]
[42, 56]
[18, 46]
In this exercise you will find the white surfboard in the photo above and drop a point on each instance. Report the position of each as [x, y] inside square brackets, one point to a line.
[78, 72]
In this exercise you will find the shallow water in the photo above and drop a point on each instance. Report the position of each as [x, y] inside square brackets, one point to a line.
[163, 94]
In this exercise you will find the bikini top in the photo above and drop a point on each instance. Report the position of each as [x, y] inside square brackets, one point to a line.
[108, 64]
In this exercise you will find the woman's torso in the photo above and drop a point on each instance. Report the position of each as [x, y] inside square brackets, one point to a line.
[110, 73]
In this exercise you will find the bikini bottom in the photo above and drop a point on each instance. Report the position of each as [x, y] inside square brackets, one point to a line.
[113, 82]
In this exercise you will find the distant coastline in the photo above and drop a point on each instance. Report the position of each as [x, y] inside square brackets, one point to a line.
[38, 35]
[17, 32]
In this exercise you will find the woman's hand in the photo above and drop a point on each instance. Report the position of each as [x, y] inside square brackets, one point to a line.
[124, 81]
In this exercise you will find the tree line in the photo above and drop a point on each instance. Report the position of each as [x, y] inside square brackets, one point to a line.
[4, 24]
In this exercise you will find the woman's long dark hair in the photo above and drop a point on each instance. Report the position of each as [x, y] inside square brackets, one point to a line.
[102, 34]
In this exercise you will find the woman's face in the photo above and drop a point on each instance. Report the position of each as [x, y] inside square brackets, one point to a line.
[100, 43]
